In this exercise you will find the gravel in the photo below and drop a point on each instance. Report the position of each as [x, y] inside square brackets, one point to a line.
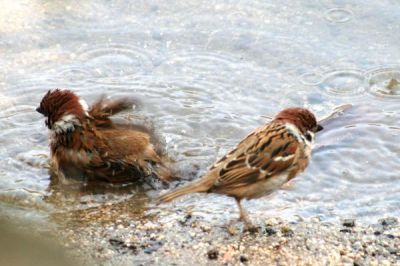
[185, 238]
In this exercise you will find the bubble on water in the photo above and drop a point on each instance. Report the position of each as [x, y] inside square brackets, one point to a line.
[338, 15]
[384, 82]
[344, 83]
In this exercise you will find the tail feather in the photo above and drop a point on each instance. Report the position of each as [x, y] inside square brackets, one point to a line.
[200, 186]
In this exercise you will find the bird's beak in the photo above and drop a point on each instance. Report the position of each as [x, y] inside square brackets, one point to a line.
[319, 128]
[39, 110]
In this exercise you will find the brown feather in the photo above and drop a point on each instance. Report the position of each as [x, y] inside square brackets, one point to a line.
[266, 153]
[95, 148]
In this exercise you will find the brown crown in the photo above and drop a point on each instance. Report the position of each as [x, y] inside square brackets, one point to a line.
[300, 117]
[56, 103]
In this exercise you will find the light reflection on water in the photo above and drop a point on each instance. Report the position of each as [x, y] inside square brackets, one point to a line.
[207, 74]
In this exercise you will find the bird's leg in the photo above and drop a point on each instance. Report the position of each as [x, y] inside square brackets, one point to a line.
[248, 225]
[243, 215]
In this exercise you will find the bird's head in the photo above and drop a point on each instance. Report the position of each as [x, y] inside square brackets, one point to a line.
[302, 118]
[64, 110]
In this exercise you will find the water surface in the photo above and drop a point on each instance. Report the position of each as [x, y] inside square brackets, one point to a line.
[209, 72]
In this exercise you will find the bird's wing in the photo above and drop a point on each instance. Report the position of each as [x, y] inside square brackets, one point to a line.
[103, 108]
[264, 153]
[127, 155]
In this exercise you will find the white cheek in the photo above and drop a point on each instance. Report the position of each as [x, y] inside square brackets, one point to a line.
[84, 105]
[66, 124]
[294, 130]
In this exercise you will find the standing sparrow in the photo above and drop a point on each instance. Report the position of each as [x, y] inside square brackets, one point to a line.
[87, 145]
[262, 162]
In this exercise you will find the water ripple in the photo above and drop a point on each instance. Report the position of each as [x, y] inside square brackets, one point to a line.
[69, 75]
[116, 60]
[338, 15]
[200, 62]
[311, 78]
[384, 83]
[344, 83]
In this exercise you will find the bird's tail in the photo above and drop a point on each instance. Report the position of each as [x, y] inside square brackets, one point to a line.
[199, 186]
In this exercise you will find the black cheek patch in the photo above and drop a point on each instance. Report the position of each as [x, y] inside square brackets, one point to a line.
[308, 137]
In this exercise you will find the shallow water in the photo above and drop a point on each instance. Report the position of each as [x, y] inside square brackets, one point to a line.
[208, 73]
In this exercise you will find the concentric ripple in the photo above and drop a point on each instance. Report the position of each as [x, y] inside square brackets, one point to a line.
[70, 75]
[311, 78]
[384, 83]
[344, 83]
[116, 60]
[200, 62]
[338, 15]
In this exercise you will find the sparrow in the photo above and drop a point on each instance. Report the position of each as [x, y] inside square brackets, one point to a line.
[86, 145]
[262, 162]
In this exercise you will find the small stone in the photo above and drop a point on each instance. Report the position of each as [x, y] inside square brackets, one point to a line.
[357, 245]
[205, 228]
[287, 231]
[243, 258]
[186, 219]
[345, 230]
[390, 236]
[377, 233]
[270, 231]
[251, 229]
[213, 254]
[232, 230]
[389, 221]
[393, 251]
[349, 222]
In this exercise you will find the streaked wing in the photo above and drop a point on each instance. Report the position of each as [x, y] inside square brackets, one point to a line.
[266, 152]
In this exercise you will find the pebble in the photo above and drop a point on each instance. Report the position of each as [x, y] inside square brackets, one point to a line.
[287, 231]
[269, 231]
[243, 258]
[349, 222]
[389, 221]
[357, 245]
[307, 242]
[213, 254]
